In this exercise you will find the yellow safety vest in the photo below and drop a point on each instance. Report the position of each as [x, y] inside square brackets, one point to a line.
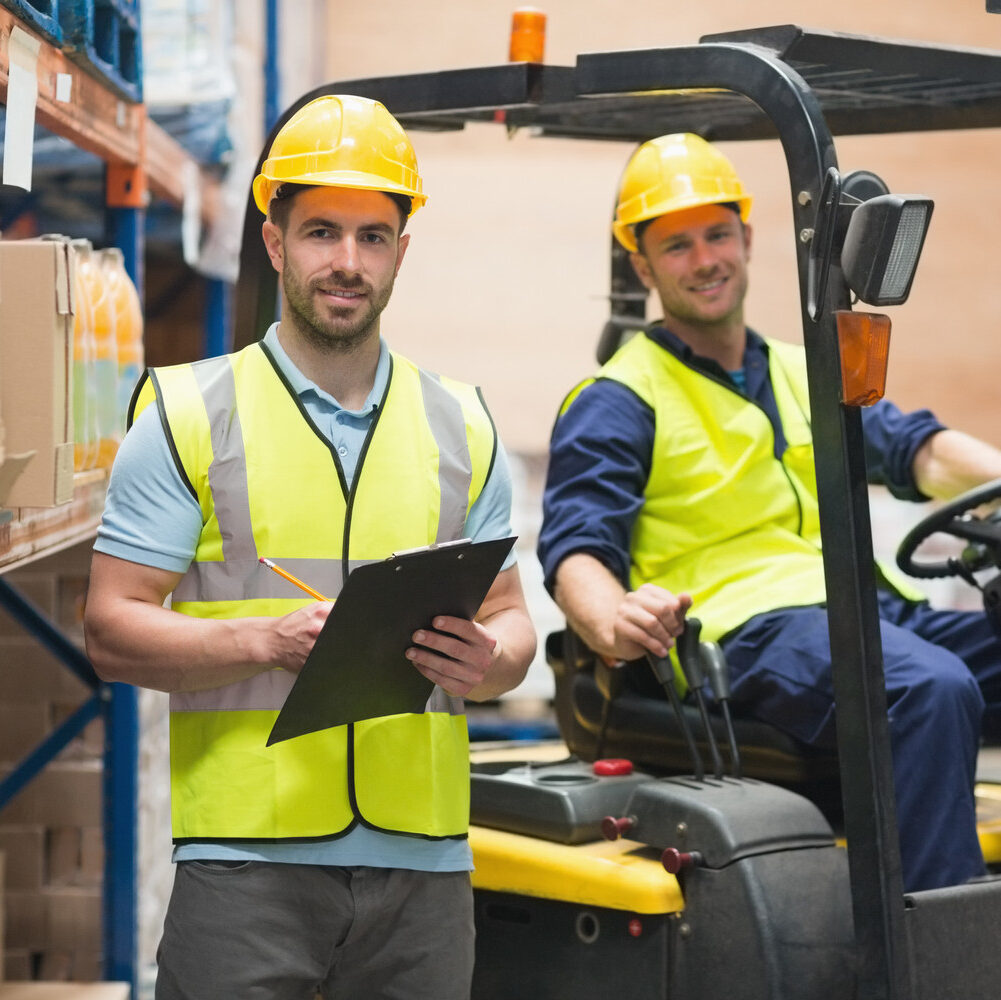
[722, 518]
[269, 484]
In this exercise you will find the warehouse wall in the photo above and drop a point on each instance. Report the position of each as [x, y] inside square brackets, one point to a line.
[505, 278]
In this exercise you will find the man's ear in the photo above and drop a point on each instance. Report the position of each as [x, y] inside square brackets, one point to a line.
[642, 268]
[274, 244]
[401, 250]
[748, 233]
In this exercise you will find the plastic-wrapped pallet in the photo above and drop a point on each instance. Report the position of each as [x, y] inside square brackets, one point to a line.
[187, 46]
[103, 36]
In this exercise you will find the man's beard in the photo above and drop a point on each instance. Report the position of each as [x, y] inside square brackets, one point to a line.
[330, 333]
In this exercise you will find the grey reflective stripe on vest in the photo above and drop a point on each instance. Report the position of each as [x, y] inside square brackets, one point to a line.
[441, 701]
[247, 580]
[230, 495]
[455, 466]
[266, 691]
[239, 576]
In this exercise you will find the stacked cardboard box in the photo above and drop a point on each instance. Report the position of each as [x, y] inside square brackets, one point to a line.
[64, 991]
[35, 990]
[36, 364]
[51, 830]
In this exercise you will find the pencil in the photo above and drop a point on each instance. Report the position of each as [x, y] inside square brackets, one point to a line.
[291, 579]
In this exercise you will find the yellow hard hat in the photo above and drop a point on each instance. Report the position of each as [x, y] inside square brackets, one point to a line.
[341, 141]
[669, 174]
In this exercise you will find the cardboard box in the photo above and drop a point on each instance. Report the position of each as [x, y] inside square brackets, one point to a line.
[36, 368]
[23, 725]
[18, 964]
[3, 909]
[11, 466]
[24, 849]
[57, 919]
[28, 672]
[64, 991]
[26, 915]
[64, 794]
[91, 855]
[73, 920]
[62, 856]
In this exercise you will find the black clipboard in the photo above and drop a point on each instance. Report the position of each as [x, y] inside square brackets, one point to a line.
[357, 668]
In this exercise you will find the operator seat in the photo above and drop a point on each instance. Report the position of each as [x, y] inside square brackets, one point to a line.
[624, 713]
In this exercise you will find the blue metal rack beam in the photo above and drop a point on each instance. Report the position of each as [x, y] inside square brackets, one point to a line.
[118, 705]
[49, 748]
[121, 843]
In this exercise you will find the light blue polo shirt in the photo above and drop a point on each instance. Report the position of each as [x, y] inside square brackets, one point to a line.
[150, 518]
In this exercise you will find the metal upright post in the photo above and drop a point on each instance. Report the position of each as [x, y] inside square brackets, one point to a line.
[218, 315]
[272, 70]
[125, 225]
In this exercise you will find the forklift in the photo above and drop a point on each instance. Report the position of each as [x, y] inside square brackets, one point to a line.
[677, 852]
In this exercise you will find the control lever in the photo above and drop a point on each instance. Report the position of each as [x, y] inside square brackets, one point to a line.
[691, 666]
[613, 827]
[675, 861]
[663, 670]
[610, 679]
[717, 671]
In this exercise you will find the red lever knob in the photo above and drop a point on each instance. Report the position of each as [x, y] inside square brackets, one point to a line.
[612, 767]
[614, 827]
[674, 860]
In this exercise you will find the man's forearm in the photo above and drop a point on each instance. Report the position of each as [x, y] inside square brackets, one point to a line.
[152, 647]
[589, 595]
[616, 623]
[132, 637]
[951, 462]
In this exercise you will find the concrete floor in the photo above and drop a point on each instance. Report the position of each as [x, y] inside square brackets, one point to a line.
[989, 764]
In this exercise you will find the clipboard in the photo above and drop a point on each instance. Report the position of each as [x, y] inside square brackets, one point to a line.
[357, 668]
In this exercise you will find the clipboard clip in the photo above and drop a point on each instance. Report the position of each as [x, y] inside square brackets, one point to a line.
[433, 547]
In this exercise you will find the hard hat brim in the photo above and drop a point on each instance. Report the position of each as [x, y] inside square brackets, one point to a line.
[264, 187]
[625, 232]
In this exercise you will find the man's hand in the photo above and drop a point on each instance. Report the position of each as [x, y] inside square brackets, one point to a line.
[293, 635]
[617, 624]
[456, 654]
[649, 619]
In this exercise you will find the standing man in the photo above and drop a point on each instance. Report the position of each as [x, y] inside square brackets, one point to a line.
[337, 861]
[683, 476]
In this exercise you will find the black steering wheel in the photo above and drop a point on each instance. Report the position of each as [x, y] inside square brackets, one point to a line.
[983, 536]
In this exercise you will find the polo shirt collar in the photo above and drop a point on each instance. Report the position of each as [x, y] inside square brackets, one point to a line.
[303, 385]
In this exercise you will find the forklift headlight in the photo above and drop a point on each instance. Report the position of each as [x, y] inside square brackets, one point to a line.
[882, 247]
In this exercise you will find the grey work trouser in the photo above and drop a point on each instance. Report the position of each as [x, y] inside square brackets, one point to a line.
[263, 931]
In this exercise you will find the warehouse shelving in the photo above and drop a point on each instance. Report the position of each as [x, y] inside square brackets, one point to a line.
[141, 159]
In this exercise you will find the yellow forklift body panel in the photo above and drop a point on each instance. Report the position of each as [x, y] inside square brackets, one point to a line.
[619, 875]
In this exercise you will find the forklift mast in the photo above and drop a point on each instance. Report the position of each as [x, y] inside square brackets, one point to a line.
[800, 88]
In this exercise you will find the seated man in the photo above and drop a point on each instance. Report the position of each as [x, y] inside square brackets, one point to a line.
[682, 476]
